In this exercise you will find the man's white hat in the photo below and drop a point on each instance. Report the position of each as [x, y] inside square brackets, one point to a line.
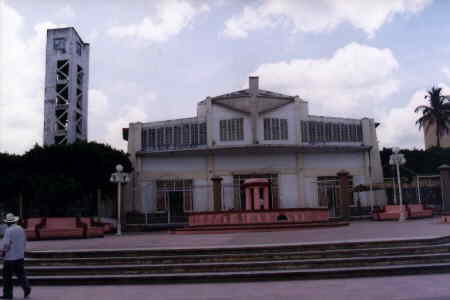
[11, 218]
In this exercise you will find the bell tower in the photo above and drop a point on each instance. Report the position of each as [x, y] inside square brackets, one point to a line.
[66, 87]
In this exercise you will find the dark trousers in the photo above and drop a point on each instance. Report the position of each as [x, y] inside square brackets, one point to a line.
[15, 267]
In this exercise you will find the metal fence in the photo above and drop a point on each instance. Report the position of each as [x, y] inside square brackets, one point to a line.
[423, 189]
[327, 194]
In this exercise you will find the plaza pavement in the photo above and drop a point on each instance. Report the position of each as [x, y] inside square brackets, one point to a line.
[357, 230]
[421, 287]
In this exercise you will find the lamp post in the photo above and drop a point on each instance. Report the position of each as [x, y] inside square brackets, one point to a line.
[398, 159]
[119, 177]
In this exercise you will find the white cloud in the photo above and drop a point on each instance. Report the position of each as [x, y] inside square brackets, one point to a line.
[320, 15]
[22, 92]
[398, 126]
[108, 115]
[21, 84]
[446, 71]
[171, 17]
[351, 83]
[66, 12]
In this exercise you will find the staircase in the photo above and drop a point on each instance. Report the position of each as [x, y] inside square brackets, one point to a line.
[274, 262]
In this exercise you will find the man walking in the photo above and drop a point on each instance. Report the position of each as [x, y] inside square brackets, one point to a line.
[14, 242]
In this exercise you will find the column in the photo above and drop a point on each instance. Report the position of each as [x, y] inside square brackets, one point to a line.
[345, 194]
[256, 204]
[248, 198]
[445, 186]
[266, 197]
[217, 193]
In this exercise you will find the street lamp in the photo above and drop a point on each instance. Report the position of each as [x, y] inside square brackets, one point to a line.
[398, 159]
[119, 177]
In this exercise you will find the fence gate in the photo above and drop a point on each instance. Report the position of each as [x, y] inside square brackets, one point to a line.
[429, 191]
[328, 196]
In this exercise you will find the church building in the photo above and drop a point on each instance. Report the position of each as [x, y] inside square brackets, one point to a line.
[248, 134]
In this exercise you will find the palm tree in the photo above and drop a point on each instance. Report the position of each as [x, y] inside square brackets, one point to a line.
[437, 113]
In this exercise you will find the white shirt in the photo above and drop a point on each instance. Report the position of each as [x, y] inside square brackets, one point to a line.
[14, 242]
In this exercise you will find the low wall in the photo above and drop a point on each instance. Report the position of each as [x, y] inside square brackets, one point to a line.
[293, 215]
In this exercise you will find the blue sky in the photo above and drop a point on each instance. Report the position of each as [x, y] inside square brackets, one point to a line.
[154, 60]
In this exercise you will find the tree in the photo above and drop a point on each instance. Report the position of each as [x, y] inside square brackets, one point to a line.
[54, 180]
[436, 113]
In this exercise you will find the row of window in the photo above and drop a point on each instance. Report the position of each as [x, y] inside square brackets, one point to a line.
[189, 135]
[317, 132]
[180, 136]
[233, 129]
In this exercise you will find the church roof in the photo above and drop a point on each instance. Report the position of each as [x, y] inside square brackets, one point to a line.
[248, 93]
[253, 99]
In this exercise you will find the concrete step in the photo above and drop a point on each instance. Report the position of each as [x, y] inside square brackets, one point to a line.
[241, 249]
[271, 275]
[239, 266]
[224, 228]
[212, 258]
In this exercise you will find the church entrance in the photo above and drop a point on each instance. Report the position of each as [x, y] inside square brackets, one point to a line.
[240, 197]
[174, 198]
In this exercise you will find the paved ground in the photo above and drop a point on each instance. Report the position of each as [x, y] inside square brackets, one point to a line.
[424, 287]
[359, 230]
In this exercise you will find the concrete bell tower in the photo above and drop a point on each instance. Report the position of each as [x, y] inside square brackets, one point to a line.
[66, 87]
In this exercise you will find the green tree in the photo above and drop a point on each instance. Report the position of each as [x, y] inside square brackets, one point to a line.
[437, 113]
[52, 180]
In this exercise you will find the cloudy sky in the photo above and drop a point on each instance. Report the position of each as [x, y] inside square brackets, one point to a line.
[154, 60]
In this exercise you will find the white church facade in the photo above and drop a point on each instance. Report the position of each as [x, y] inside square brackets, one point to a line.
[252, 133]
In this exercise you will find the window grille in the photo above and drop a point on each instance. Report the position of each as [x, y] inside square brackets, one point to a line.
[359, 133]
[304, 126]
[168, 136]
[267, 131]
[328, 128]
[203, 138]
[165, 187]
[315, 131]
[144, 139]
[284, 129]
[180, 136]
[275, 129]
[176, 136]
[232, 129]
[160, 137]
[186, 137]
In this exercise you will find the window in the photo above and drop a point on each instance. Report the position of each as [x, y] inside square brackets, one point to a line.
[160, 137]
[194, 134]
[168, 136]
[328, 127]
[151, 138]
[177, 135]
[186, 137]
[275, 129]
[316, 131]
[59, 44]
[304, 126]
[164, 188]
[144, 138]
[232, 129]
[203, 134]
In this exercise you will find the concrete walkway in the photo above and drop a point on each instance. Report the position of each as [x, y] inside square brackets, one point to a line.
[424, 287]
[357, 230]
